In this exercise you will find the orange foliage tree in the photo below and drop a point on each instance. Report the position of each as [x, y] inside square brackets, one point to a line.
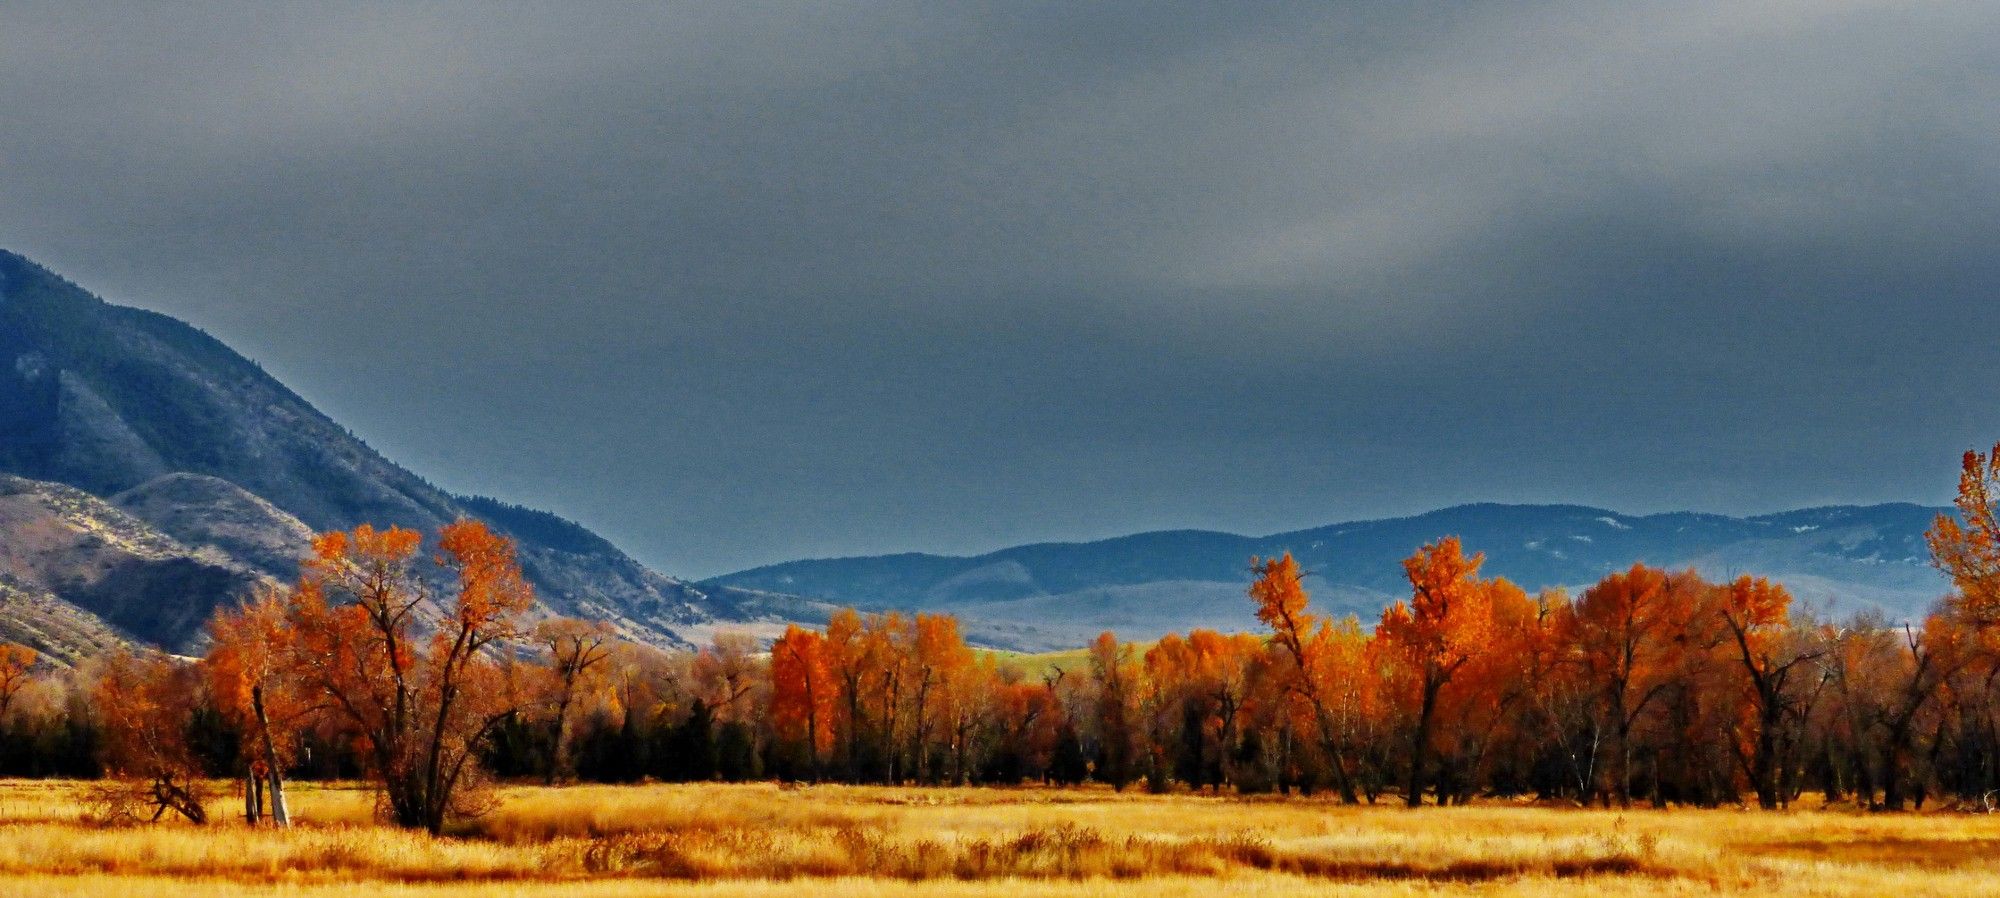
[1968, 551]
[727, 674]
[802, 693]
[145, 704]
[1202, 683]
[967, 700]
[418, 706]
[246, 667]
[1445, 624]
[938, 656]
[17, 664]
[576, 650]
[1771, 651]
[847, 649]
[1026, 722]
[1626, 632]
[1115, 676]
[1320, 668]
[891, 644]
[1476, 706]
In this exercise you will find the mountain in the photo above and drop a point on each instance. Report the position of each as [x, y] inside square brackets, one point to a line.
[61, 632]
[203, 511]
[197, 443]
[1838, 559]
[66, 553]
[156, 474]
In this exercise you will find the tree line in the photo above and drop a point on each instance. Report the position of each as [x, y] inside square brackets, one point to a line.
[421, 671]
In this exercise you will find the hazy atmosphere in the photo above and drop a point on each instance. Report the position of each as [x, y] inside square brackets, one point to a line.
[738, 283]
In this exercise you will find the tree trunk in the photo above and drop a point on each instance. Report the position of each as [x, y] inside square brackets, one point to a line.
[1892, 772]
[1621, 785]
[1419, 746]
[923, 727]
[1763, 767]
[556, 740]
[280, 814]
[891, 757]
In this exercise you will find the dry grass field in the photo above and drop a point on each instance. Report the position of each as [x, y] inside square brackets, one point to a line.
[830, 842]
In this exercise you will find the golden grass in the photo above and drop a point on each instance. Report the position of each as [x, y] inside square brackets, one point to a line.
[835, 841]
[1066, 660]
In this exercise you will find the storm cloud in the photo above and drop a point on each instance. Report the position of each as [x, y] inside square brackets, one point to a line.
[743, 282]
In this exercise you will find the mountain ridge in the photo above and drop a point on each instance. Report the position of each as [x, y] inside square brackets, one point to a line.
[1203, 531]
[1838, 558]
[109, 399]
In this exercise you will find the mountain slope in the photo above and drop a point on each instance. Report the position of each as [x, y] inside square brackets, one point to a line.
[202, 511]
[111, 399]
[1840, 559]
[58, 630]
[66, 549]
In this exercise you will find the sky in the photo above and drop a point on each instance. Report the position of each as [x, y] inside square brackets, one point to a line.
[736, 283]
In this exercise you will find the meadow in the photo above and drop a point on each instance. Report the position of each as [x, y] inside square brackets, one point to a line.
[830, 841]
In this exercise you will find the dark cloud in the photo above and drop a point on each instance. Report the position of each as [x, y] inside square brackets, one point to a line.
[742, 282]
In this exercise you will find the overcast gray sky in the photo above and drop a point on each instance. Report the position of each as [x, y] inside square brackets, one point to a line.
[741, 282]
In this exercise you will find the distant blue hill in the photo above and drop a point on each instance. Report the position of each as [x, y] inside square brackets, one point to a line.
[1837, 559]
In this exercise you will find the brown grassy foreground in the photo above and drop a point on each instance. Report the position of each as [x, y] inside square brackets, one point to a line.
[840, 841]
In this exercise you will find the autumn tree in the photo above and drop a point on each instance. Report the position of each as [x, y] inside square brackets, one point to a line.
[1891, 687]
[1968, 550]
[1445, 624]
[727, 674]
[1269, 752]
[890, 645]
[420, 706]
[731, 678]
[1560, 713]
[1857, 665]
[576, 650]
[1771, 652]
[868, 658]
[247, 674]
[1025, 722]
[802, 693]
[938, 654]
[1115, 675]
[1965, 724]
[1222, 671]
[1175, 715]
[17, 665]
[1625, 633]
[1477, 708]
[630, 694]
[1317, 672]
[845, 649]
[967, 701]
[1203, 683]
[145, 703]
[18, 751]
[1928, 658]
